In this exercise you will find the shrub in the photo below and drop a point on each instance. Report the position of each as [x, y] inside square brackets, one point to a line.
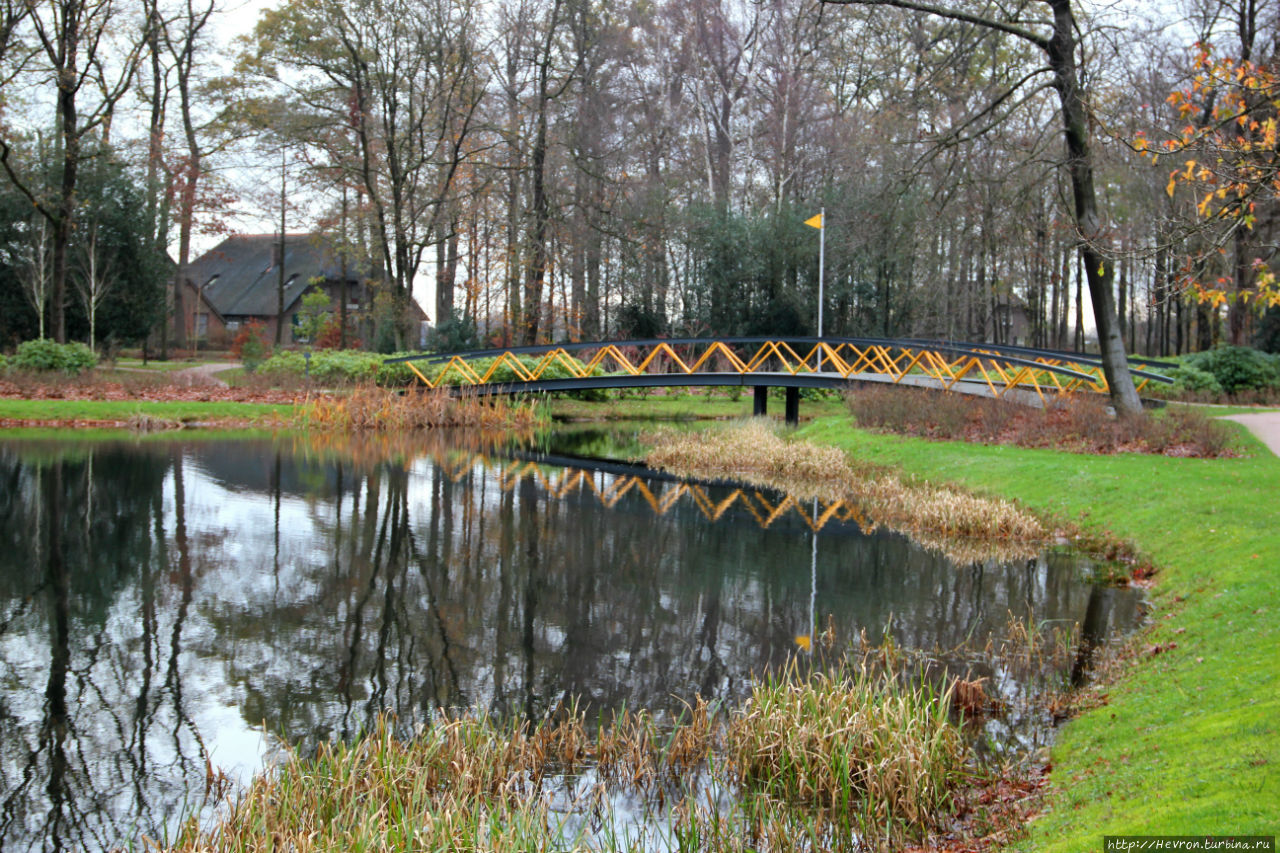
[456, 334]
[314, 315]
[1238, 368]
[1189, 379]
[45, 354]
[1179, 431]
[250, 346]
[330, 367]
[330, 336]
[1082, 423]
[4, 363]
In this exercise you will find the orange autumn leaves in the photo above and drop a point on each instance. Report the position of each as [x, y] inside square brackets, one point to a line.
[1227, 156]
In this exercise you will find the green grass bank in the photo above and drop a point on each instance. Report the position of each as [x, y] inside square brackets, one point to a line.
[121, 411]
[1188, 741]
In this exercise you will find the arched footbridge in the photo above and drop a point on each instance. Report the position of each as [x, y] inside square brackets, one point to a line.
[1017, 374]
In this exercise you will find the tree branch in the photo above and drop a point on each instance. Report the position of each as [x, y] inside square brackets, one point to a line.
[954, 15]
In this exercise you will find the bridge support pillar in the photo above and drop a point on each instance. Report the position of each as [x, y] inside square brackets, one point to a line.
[793, 407]
[760, 402]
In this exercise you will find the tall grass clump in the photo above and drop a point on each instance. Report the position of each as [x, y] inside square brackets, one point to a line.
[883, 757]
[938, 516]
[462, 784]
[371, 408]
[811, 762]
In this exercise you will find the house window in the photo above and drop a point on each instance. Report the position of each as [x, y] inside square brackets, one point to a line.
[202, 325]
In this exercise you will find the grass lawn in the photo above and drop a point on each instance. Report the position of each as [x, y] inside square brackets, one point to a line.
[681, 406]
[123, 410]
[154, 365]
[1188, 741]
[1214, 411]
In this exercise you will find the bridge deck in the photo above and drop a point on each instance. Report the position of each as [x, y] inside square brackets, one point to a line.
[832, 380]
[1016, 374]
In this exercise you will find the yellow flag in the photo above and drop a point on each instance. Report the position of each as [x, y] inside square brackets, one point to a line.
[814, 222]
[805, 641]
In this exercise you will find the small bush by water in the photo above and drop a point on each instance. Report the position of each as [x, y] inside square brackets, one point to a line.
[1080, 423]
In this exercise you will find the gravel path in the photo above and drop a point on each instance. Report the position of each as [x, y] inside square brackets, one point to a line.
[204, 374]
[1265, 425]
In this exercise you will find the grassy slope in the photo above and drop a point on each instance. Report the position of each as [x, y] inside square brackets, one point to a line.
[122, 410]
[1189, 741]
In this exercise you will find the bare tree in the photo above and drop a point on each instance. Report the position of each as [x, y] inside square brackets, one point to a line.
[12, 14]
[183, 38]
[724, 52]
[35, 269]
[1055, 35]
[403, 79]
[94, 280]
[83, 47]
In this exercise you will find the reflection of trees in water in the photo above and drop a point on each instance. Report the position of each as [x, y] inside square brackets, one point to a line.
[344, 591]
[91, 718]
[473, 590]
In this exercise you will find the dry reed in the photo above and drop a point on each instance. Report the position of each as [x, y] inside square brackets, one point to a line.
[862, 747]
[949, 520]
[810, 763]
[369, 408]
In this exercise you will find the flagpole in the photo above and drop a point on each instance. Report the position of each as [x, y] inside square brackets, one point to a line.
[822, 251]
[820, 222]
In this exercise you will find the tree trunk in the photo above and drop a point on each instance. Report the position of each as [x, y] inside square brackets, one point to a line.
[64, 222]
[280, 262]
[591, 313]
[1237, 313]
[1204, 327]
[1064, 312]
[536, 278]
[1079, 342]
[1099, 270]
[537, 275]
[446, 274]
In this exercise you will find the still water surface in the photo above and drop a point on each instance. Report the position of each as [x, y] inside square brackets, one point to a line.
[171, 606]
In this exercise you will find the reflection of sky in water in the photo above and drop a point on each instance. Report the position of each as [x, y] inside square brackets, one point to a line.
[308, 609]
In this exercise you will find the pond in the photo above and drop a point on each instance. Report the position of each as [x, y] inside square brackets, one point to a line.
[172, 607]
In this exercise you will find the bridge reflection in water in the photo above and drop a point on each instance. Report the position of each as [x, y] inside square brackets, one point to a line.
[165, 603]
[563, 476]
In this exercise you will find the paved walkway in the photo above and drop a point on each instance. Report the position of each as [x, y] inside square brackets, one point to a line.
[1265, 425]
